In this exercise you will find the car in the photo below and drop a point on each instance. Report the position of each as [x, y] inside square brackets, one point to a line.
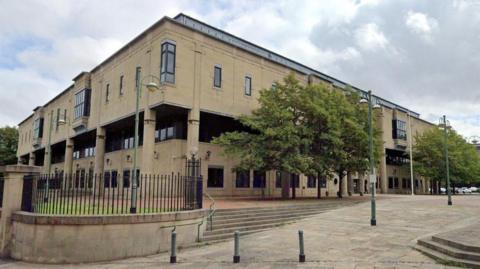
[473, 189]
[443, 190]
[467, 191]
[459, 190]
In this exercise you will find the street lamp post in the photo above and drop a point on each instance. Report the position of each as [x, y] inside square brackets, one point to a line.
[152, 86]
[373, 177]
[444, 124]
[410, 144]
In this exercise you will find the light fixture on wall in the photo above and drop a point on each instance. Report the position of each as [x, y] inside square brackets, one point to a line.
[207, 156]
[108, 161]
[155, 155]
[129, 159]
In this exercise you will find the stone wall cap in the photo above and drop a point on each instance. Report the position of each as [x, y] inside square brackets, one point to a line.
[19, 168]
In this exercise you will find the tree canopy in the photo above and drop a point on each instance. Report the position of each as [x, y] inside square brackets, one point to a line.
[8, 145]
[311, 129]
[430, 162]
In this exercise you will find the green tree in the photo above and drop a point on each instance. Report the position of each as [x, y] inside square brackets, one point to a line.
[429, 157]
[8, 145]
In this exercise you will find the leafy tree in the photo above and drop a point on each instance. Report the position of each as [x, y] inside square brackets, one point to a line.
[8, 145]
[429, 157]
[312, 129]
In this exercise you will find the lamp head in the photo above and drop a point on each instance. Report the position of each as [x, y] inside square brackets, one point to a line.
[363, 101]
[152, 86]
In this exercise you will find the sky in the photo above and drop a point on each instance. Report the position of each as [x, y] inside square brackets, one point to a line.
[423, 55]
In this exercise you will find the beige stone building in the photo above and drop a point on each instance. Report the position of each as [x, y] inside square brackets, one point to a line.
[207, 78]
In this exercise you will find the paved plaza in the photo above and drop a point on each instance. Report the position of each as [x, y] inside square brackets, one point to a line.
[340, 238]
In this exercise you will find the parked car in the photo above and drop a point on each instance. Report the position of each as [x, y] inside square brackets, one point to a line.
[443, 190]
[473, 189]
[459, 190]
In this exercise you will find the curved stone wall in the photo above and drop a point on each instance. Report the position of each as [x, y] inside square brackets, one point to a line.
[79, 239]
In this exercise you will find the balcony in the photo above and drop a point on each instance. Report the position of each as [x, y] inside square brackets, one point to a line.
[80, 124]
[37, 142]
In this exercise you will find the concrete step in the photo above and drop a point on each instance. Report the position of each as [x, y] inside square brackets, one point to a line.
[221, 220]
[455, 244]
[244, 223]
[240, 215]
[229, 212]
[449, 251]
[248, 227]
[228, 232]
[223, 237]
[445, 259]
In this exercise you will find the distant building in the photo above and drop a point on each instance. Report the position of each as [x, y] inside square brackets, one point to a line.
[208, 78]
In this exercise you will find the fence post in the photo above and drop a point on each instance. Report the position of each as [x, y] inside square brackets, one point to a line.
[173, 251]
[12, 200]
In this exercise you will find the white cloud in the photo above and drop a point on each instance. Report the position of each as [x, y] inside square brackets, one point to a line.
[369, 37]
[421, 24]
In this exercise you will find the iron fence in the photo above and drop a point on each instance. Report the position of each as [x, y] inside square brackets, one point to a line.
[111, 193]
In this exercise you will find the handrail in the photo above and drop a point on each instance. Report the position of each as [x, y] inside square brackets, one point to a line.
[210, 215]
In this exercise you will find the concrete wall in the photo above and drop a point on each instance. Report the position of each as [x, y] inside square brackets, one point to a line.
[80, 239]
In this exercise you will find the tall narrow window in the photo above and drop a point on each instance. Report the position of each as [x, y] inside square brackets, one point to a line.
[121, 85]
[82, 104]
[217, 77]
[215, 177]
[107, 93]
[259, 179]
[167, 68]
[248, 86]
[138, 74]
[243, 179]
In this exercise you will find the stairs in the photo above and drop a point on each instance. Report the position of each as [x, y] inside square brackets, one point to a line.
[251, 220]
[450, 252]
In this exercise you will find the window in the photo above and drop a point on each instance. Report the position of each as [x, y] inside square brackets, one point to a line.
[167, 67]
[390, 182]
[89, 152]
[294, 180]
[404, 183]
[128, 143]
[121, 85]
[259, 179]
[395, 181]
[126, 178]
[82, 104]
[57, 119]
[278, 179]
[242, 179]
[215, 177]
[311, 182]
[217, 77]
[399, 129]
[106, 179]
[38, 128]
[107, 93]
[138, 73]
[248, 86]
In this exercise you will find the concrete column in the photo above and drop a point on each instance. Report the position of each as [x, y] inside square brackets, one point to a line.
[148, 141]
[31, 159]
[361, 183]
[99, 157]
[349, 183]
[194, 113]
[383, 173]
[344, 184]
[12, 201]
[67, 165]
[46, 160]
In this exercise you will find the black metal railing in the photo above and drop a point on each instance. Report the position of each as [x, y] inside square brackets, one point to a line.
[111, 193]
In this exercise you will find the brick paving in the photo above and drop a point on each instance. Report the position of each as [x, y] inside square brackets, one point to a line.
[340, 238]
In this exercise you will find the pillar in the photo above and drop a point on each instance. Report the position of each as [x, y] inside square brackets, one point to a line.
[383, 173]
[344, 183]
[361, 183]
[46, 160]
[148, 141]
[12, 201]
[99, 157]
[349, 183]
[31, 159]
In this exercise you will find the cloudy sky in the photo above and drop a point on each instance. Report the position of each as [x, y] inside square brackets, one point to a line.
[424, 55]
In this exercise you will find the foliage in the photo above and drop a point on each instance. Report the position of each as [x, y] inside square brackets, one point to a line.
[312, 129]
[8, 145]
[429, 157]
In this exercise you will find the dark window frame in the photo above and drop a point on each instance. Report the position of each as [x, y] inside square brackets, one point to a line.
[217, 81]
[167, 69]
[242, 179]
[248, 90]
[120, 86]
[107, 93]
[82, 104]
[212, 180]
[311, 182]
[259, 179]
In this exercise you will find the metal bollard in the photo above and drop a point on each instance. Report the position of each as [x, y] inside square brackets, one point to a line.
[173, 250]
[301, 257]
[236, 250]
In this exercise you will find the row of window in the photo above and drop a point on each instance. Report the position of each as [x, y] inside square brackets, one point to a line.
[393, 183]
[215, 179]
[84, 153]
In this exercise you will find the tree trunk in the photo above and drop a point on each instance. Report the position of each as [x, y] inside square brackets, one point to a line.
[284, 178]
[340, 184]
[292, 183]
